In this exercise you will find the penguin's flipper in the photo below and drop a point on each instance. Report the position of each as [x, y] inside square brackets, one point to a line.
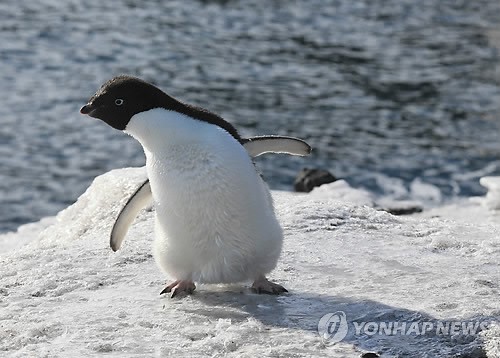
[256, 146]
[141, 198]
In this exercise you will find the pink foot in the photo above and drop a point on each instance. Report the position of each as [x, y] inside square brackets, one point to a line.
[263, 285]
[179, 286]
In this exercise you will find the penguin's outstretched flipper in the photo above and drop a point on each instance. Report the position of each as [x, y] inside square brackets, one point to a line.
[256, 146]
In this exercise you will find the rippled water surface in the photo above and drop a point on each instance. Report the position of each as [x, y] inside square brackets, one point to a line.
[395, 95]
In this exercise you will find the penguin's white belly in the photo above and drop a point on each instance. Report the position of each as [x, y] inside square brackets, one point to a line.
[215, 221]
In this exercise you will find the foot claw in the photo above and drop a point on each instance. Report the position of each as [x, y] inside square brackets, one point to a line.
[165, 290]
[263, 285]
[174, 293]
[178, 287]
[170, 287]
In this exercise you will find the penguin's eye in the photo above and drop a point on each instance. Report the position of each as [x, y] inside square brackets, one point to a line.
[118, 101]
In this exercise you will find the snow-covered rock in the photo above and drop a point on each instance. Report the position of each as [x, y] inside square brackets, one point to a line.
[492, 200]
[63, 292]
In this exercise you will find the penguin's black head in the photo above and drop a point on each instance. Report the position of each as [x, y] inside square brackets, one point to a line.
[121, 98]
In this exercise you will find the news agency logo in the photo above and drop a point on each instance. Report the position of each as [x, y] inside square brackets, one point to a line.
[334, 327]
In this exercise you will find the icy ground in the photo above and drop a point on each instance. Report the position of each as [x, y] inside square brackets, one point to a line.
[64, 293]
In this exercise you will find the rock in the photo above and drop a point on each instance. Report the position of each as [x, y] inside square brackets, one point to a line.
[404, 211]
[308, 179]
[399, 207]
[369, 355]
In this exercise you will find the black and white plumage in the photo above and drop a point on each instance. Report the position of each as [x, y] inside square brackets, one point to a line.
[215, 220]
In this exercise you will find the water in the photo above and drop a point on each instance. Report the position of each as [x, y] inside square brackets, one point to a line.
[392, 94]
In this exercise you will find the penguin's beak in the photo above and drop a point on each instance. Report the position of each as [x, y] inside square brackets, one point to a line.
[87, 109]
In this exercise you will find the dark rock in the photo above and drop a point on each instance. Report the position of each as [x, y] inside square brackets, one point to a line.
[404, 211]
[399, 207]
[370, 355]
[308, 179]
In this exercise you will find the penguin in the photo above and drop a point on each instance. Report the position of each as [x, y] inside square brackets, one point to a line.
[214, 215]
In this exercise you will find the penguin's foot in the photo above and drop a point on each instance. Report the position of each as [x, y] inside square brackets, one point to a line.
[179, 287]
[263, 285]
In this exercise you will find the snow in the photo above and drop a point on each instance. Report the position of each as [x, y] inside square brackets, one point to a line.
[492, 200]
[63, 292]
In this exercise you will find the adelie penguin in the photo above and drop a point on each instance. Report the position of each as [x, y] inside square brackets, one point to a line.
[215, 220]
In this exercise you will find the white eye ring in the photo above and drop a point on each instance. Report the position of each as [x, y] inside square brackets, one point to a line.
[119, 101]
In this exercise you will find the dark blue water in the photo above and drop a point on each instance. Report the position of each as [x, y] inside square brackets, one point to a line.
[392, 94]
